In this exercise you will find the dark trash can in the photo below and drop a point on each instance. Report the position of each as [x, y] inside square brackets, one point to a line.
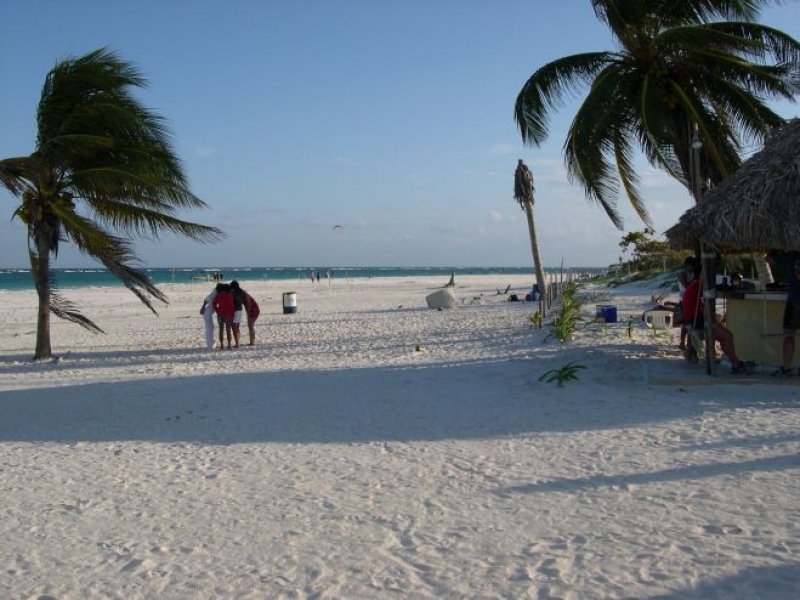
[289, 303]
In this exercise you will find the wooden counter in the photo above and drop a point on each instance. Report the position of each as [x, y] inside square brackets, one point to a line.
[756, 320]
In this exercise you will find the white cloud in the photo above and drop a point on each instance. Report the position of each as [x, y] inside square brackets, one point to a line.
[651, 177]
[501, 149]
[495, 216]
[550, 170]
[206, 150]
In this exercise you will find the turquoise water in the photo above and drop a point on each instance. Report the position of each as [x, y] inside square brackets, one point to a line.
[20, 279]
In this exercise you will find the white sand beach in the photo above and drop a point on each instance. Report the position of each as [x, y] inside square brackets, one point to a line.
[334, 460]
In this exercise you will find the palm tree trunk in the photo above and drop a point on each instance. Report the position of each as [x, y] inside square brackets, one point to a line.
[537, 262]
[40, 267]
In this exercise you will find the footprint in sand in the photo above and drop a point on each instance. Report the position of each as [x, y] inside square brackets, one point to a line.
[119, 550]
[722, 529]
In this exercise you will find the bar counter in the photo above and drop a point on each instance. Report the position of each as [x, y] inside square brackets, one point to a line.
[756, 320]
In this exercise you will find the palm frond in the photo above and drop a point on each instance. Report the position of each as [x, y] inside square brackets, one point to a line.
[114, 253]
[140, 221]
[623, 154]
[107, 144]
[767, 41]
[750, 119]
[718, 145]
[14, 174]
[60, 306]
[65, 309]
[546, 88]
[136, 184]
[708, 10]
[590, 143]
[77, 82]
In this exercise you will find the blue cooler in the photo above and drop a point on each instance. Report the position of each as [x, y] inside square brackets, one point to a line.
[608, 312]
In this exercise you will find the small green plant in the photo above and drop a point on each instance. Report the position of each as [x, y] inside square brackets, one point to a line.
[569, 315]
[566, 373]
[535, 319]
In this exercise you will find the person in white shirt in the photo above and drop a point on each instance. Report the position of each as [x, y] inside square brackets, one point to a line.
[207, 310]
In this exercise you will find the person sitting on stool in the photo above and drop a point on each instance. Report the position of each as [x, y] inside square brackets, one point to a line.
[693, 316]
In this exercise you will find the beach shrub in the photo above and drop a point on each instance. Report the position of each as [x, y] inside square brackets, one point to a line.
[566, 373]
[568, 315]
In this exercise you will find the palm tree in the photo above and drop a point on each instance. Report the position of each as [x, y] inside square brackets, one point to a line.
[523, 193]
[681, 70]
[103, 171]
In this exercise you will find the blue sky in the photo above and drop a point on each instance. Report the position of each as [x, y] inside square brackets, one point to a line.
[393, 119]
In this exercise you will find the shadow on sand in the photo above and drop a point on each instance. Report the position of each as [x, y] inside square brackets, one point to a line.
[781, 582]
[733, 469]
[467, 400]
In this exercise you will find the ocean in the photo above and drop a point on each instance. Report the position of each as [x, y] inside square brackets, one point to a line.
[20, 279]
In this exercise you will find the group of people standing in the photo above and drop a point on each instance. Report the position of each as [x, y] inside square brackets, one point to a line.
[230, 303]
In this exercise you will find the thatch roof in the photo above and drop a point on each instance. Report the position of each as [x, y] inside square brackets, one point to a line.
[755, 209]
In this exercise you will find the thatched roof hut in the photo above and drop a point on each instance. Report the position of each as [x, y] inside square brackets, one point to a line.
[755, 209]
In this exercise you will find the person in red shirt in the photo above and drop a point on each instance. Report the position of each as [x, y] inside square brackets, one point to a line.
[223, 306]
[252, 311]
[693, 317]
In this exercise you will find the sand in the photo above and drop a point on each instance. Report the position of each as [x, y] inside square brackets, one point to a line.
[369, 447]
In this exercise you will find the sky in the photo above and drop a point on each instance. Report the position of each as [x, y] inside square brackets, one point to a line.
[391, 119]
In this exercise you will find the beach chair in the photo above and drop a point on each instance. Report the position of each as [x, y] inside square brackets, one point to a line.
[658, 319]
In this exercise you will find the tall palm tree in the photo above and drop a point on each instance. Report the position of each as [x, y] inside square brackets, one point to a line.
[103, 171]
[523, 193]
[682, 69]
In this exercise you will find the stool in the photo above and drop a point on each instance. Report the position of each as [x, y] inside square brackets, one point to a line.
[658, 319]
